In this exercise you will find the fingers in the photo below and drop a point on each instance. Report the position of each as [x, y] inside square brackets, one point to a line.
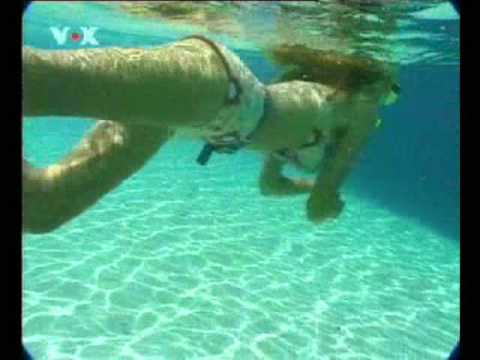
[325, 207]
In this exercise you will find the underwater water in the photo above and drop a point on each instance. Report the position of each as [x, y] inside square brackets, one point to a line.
[189, 262]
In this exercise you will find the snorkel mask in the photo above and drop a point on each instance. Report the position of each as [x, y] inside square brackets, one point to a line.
[393, 95]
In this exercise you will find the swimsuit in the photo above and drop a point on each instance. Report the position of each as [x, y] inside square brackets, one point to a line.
[239, 117]
[242, 113]
[309, 156]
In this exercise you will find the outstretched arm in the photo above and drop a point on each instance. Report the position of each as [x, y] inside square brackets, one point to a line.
[274, 183]
[324, 201]
[110, 154]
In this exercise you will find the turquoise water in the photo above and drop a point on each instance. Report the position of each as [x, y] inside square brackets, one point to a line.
[190, 262]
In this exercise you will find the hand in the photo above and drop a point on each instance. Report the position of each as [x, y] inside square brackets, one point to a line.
[324, 205]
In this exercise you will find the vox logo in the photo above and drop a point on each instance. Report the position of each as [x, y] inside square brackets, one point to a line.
[86, 35]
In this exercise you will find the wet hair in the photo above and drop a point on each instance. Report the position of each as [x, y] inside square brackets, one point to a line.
[349, 73]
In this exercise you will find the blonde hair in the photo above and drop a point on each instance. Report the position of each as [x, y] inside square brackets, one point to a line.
[346, 73]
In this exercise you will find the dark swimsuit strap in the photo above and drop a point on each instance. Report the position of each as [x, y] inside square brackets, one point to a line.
[209, 148]
[238, 89]
[317, 137]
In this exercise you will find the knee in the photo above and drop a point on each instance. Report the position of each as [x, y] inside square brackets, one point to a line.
[40, 226]
[40, 217]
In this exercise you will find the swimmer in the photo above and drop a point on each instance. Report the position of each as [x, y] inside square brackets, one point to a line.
[199, 88]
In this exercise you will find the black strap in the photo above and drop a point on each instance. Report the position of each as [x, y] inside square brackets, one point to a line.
[205, 154]
[238, 89]
[209, 148]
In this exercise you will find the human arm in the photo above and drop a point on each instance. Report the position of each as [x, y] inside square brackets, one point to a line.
[324, 201]
[274, 183]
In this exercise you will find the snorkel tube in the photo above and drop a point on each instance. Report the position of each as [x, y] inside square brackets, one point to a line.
[205, 154]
